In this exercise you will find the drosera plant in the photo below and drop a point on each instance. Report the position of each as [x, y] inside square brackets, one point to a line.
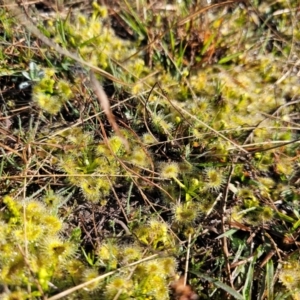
[214, 144]
[47, 261]
[94, 167]
[89, 35]
[146, 280]
[49, 94]
[289, 275]
[33, 249]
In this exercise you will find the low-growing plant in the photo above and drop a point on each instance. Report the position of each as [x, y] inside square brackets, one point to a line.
[198, 172]
[33, 249]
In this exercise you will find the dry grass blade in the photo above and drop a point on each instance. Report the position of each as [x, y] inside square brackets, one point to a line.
[104, 102]
[202, 10]
[85, 284]
[184, 111]
[12, 150]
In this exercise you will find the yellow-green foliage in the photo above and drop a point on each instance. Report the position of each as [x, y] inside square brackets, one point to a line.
[149, 280]
[32, 249]
[155, 234]
[108, 254]
[205, 104]
[95, 42]
[186, 213]
[290, 276]
[251, 211]
[50, 93]
[95, 166]
[169, 170]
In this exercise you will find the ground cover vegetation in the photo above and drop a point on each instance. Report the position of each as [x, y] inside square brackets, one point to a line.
[190, 190]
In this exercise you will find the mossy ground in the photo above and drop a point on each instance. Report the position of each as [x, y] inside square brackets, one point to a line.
[206, 199]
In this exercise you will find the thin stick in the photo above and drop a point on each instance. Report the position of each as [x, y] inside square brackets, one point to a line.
[85, 284]
[104, 102]
[210, 128]
[223, 220]
[187, 260]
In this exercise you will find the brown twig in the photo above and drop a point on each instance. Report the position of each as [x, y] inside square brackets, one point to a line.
[104, 102]
[223, 221]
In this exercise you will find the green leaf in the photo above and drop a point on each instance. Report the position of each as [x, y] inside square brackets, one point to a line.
[208, 43]
[90, 258]
[247, 290]
[7, 72]
[221, 285]
[248, 286]
[296, 225]
[227, 233]
[284, 217]
[76, 234]
[228, 58]
[269, 279]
